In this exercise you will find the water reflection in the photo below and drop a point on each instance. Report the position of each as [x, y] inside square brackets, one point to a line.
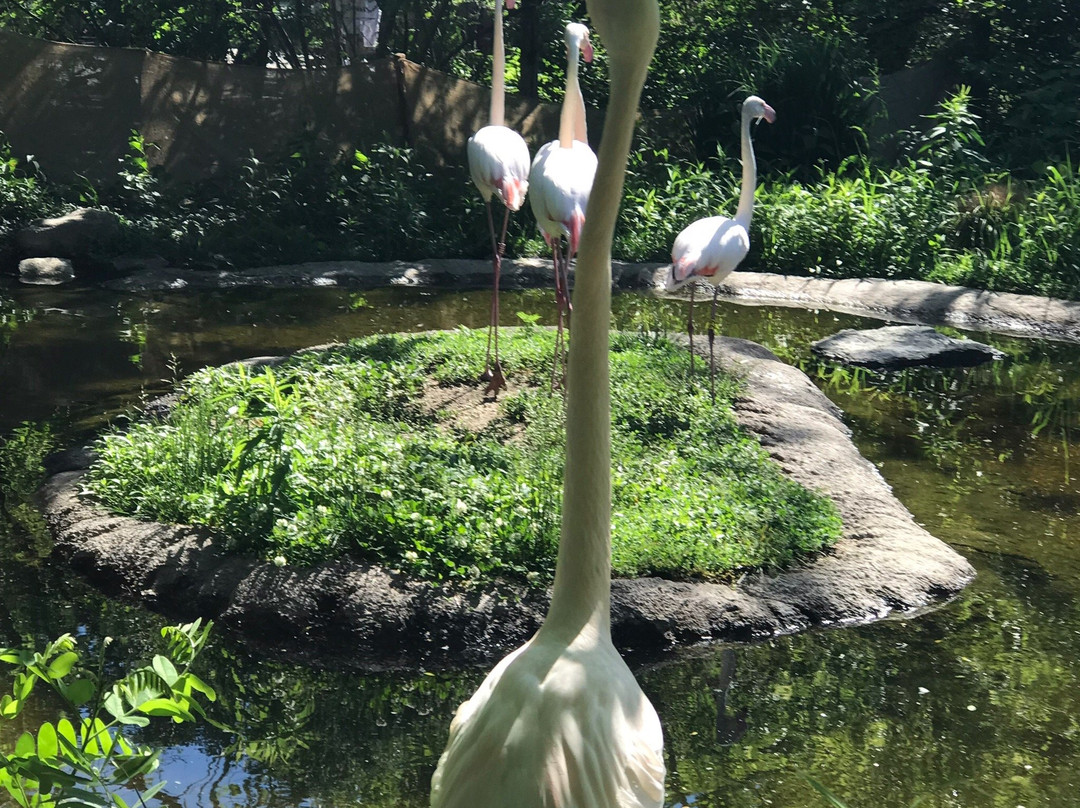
[973, 705]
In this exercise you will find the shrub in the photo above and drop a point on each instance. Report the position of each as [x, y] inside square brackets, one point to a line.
[23, 195]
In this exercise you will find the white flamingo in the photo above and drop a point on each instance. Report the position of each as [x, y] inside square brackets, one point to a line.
[499, 165]
[562, 176]
[711, 248]
[561, 721]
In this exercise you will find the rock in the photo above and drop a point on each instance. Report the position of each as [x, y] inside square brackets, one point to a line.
[902, 346]
[46, 271]
[127, 264]
[71, 235]
[358, 614]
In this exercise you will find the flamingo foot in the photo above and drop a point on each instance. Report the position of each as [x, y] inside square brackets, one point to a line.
[496, 381]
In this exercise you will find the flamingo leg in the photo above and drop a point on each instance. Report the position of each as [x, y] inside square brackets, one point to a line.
[560, 303]
[492, 313]
[690, 332]
[496, 379]
[712, 339]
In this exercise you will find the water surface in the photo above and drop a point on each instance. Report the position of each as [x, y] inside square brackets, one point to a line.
[972, 704]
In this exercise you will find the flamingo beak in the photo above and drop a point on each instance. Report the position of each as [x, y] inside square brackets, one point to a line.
[586, 50]
[769, 114]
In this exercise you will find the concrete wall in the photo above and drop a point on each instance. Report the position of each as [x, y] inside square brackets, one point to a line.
[73, 107]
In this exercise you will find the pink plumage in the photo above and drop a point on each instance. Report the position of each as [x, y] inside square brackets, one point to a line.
[561, 180]
[499, 165]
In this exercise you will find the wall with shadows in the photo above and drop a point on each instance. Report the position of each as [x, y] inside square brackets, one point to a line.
[73, 108]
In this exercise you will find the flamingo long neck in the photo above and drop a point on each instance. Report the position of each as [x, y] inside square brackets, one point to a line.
[573, 104]
[581, 597]
[498, 70]
[749, 177]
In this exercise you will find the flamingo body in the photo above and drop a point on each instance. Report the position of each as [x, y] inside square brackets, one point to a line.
[581, 733]
[709, 248]
[499, 165]
[561, 179]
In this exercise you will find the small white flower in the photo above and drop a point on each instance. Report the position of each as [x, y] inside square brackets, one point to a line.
[460, 506]
[386, 493]
[410, 555]
[233, 410]
[279, 561]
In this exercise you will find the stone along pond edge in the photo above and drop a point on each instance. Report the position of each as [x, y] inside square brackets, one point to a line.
[904, 301]
[356, 614]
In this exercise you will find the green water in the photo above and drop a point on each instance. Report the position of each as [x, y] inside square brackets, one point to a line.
[976, 703]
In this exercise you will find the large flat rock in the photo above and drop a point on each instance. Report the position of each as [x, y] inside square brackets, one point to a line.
[361, 615]
[902, 346]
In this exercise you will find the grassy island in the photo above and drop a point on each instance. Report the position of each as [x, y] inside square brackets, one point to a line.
[383, 450]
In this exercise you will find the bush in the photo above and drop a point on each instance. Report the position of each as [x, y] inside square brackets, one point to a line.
[23, 195]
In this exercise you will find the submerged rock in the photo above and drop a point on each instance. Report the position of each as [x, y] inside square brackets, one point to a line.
[902, 346]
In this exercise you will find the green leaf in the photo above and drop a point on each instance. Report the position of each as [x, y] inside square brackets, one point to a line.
[165, 707]
[165, 669]
[152, 791]
[80, 691]
[62, 665]
[47, 745]
[9, 707]
[24, 686]
[115, 705]
[66, 733]
[134, 720]
[24, 747]
[193, 682]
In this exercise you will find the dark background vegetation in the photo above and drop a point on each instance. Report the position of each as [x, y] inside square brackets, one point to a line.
[981, 192]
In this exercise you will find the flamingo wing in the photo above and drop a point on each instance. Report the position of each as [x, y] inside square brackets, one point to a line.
[499, 164]
[709, 248]
[561, 180]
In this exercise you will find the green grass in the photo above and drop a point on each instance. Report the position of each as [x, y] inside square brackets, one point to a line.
[332, 454]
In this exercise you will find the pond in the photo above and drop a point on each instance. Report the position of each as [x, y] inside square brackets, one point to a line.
[976, 703]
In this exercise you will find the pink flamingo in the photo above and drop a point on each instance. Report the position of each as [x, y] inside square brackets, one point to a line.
[711, 248]
[562, 176]
[499, 165]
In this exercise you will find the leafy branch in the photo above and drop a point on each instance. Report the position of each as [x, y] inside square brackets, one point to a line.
[85, 757]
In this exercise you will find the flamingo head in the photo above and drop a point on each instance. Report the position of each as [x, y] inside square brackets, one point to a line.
[577, 36]
[755, 108]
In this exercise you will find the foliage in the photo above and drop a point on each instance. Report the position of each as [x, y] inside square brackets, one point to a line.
[334, 453]
[23, 196]
[87, 757]
[377, 205]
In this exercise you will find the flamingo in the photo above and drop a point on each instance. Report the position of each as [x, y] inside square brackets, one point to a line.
[561, 721]
[711, 248]
[499, 165]
[562, 176]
